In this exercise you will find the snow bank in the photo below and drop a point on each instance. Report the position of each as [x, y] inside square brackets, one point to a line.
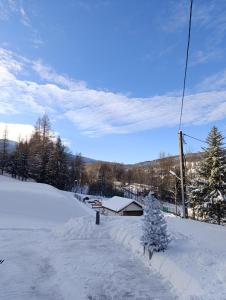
[36, 201]
[194, 263]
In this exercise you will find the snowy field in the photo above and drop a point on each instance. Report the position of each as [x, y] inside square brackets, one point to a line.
[194, 263]
[53, 250]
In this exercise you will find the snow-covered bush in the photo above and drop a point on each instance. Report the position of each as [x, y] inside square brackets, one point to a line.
[155, 236]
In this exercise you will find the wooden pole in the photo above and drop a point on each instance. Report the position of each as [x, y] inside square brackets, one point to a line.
[97, 217]
[182, 174]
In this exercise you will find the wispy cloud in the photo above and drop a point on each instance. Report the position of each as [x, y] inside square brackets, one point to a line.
[201, 57]
[24, 17]
[214, 82]
[208, 22]
[16, 9]
[203, 15]
[96, 112]
[7, 9]
[47, 73]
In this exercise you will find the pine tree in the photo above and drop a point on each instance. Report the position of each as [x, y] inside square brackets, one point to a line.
[23, 170]
[35, 150]
[155, 236]
[196, 192]
[209, 186]
[40, 146]
[4, 151]
[45, 149]
[57, 166]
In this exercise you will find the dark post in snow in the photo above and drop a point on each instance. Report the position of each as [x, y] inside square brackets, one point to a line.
[182, 174]
[97, 217]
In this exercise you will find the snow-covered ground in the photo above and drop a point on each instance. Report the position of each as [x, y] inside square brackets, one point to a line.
[194, 263]
[53, 250]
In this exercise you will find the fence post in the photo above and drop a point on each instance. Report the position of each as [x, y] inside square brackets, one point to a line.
[97, 217]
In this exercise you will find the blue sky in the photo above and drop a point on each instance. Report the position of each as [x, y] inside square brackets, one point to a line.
[109, 73]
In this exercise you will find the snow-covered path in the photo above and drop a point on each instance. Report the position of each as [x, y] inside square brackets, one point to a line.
[42, 264]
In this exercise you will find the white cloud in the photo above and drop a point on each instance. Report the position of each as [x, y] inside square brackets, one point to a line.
[214, 82]
[47, 73]
[16, 131]
[96, 112]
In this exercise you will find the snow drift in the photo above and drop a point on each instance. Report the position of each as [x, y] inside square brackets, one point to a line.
[37, 201]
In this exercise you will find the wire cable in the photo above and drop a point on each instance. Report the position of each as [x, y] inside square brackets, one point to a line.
[194, 138]
[186, 65]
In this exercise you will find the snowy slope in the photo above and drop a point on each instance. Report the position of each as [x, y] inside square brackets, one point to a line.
[195, 262]
[36, 201]
[47, 259]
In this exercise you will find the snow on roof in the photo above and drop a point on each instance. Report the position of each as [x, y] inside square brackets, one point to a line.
[118, 203]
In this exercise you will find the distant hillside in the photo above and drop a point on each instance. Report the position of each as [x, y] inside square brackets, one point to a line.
[88, 160]
[11, 145]
[190, 157]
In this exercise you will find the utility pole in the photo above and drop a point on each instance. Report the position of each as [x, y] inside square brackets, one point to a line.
[182, 174]
[176, 196]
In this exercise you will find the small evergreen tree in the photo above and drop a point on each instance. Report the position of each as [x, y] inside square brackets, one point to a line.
[155, 236]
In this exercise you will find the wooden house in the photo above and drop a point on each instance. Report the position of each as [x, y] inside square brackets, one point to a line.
[121, 206]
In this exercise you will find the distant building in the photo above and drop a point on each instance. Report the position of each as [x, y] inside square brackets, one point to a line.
[81, 197]
[121, 206]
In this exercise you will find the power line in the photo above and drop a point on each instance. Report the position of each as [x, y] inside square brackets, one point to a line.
[194, 138]
[186, 64]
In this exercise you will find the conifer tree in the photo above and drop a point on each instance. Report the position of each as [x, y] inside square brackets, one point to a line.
[35, 150]
[197, 190]
[4, 151]
[57, 166]
[40, 145]
[45, 148]
[155, 236]
[209, 186]
[23, 170]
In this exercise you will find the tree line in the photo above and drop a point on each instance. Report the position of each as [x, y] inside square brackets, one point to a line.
[43, 158]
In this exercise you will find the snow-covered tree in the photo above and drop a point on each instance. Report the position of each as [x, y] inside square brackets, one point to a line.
[155, 236]
[197, 189]
[209, 186]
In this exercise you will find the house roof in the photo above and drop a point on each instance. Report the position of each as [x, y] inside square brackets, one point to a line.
[118, 203]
